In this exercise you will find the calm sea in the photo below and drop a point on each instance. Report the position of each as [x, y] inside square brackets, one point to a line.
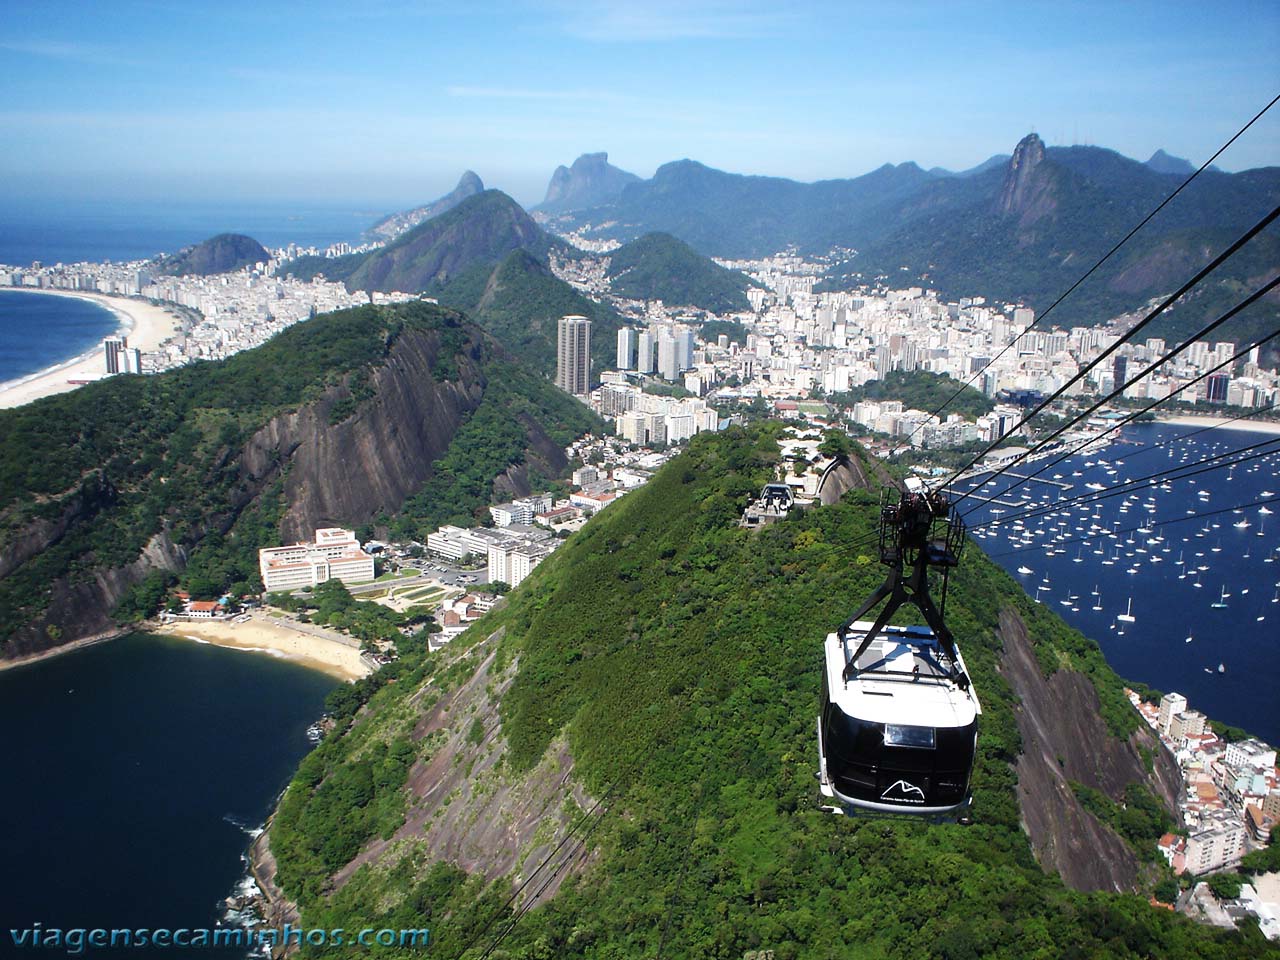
[117, 231]
[38, 332]
[1194, 561]
[135, 772]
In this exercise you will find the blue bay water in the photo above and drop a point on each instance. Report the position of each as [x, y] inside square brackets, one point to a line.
[38, 332]
[118, 231]
[1099, 546]
[133, 769]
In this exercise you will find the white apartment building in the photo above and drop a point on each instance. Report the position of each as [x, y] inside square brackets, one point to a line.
[335, 555]
[1250, 755]
[454, 543]
[1215, 847]
[1171, 704]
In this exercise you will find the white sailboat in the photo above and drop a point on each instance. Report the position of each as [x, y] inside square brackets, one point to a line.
[1127, 616]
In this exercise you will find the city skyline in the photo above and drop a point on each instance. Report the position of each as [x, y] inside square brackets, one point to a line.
[390, 103]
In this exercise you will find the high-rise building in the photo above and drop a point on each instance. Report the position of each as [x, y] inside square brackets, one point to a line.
[112, 348]
[573, 355]
[1120, 371]
[645, 359]
[1216, 387]
[684, 349]
[668, 363]
[627, 340]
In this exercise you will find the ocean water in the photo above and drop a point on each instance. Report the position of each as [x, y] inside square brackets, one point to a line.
[135, 771]
[38, 332]
[1163, 553]
[118, 231]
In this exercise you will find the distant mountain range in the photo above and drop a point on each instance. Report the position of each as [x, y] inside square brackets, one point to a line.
[221, 254]
[1022, 227]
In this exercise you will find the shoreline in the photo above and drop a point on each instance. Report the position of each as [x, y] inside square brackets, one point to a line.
[1191, 420]
[30, 658]
[147, 326]
[274, 638]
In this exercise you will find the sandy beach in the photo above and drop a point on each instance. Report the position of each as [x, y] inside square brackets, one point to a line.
[146, 326]
[262, 635]
[1255, 425]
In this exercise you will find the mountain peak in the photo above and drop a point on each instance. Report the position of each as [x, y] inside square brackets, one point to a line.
[393, 226]
[591, 181]
[1162, 162]
[1027, 156]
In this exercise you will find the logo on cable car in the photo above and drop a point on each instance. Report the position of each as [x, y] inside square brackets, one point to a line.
[903, 792]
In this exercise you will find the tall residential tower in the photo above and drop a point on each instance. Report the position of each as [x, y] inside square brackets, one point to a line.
[573, 356]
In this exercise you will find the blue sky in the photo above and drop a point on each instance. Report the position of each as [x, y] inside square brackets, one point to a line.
[386, 103]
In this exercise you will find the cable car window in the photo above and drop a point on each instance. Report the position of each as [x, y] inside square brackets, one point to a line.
[903, 736]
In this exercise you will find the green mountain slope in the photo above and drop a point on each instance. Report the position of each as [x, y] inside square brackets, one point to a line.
[479, 231]
[127, 482]
[657, 266]
[520, 302]
[655, 685]
[221, 254]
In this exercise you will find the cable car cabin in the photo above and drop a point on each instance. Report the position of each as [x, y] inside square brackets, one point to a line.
[898, 736]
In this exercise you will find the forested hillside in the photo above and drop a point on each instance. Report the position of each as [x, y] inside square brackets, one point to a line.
[640, 719]
[112, 491]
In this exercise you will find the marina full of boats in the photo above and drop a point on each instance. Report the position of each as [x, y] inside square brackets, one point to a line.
[1178, 579]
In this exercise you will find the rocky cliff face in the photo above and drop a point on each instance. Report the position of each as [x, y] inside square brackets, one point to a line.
[1027, 191]
[1064, 739]
[348, 473]
[345, 473]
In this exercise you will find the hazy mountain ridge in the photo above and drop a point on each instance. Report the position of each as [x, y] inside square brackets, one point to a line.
[391, 226]
[591, 181]
[667, 661]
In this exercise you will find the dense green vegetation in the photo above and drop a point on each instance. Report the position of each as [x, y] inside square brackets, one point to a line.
[221, 254]
[521, 301]
[496, 435]
[679, 655]
[919, 390]
[659, 267]
[1140, 818]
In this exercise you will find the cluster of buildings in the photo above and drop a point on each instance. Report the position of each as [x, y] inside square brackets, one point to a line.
[1231, 791]
[802, 344]
[226, 313]
[335, 554]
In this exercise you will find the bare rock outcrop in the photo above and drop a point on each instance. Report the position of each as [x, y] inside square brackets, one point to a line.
[1065, 739]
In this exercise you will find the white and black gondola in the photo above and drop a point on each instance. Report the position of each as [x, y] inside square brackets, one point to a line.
[897, 732]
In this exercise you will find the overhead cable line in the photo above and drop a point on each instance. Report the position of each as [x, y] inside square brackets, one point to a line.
[1045, 441]
[1149, 318]
[1256, 411]
[1107, 256]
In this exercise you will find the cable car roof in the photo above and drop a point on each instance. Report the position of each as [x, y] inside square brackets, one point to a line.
[903, 677]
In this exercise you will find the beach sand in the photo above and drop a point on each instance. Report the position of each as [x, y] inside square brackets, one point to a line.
[147, 327]
[263, 635]
[1257, 426]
